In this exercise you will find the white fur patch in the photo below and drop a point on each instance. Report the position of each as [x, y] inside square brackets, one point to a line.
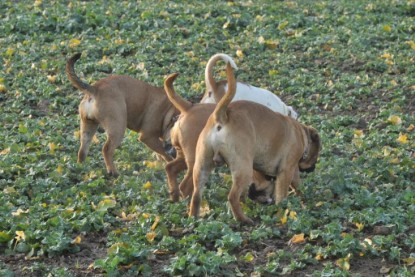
[88, 107]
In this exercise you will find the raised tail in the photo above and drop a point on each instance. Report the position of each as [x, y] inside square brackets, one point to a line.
[209, 80]
[220, 114]
[75, 80]
[181, 104]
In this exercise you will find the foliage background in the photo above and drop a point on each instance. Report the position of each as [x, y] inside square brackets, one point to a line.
[346, 66]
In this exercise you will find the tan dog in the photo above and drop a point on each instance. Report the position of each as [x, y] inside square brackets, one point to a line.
[184, 135]
[245, 134]
[120, 102]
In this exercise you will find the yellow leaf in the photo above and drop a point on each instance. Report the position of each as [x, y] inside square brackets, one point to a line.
[19, 212]
[318, 257]
[52, 147]
[411, 43]
[343, 263]
[151, 236]
[2, 88]
[293, 215]
[95, 139]
[248, 257]
[284, 220]
[271, 44]
[38, 3]
[259, 18]
[8, 190]
[59, 169]
[77, 134]
[387, 151]
[387, 28]
[146, 215]
[321, 203]
[297, 239]
[147, 185]
[358, 134]
[239, 53]
[5, 151]
[52, 78]
[156, 222]
[20, 235]
[74, 42]
[395, 161]
[409, 261]
[395, 120]
[10, 51]
[273, 72]
[359, 226]
[282, 25]
[204, 208]
[76, 240]
[387, 56]
[403, 139]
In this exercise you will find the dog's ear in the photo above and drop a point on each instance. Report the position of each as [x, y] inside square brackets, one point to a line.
[315, 137]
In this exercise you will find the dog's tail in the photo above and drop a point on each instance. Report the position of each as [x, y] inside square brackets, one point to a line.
[209, 80]
[220, 110]
[181, 104]
[75, 80]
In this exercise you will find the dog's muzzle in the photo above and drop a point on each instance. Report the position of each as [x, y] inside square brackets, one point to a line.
[308, 170]
[170, 150]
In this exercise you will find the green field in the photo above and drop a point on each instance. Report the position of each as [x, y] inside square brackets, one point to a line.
[348, 68]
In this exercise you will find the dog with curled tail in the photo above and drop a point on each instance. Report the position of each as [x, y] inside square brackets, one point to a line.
[243, 135]
[119, 102]
[216, 90]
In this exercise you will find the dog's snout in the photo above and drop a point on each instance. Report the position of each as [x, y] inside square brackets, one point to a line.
[308, 170]
[170, 150]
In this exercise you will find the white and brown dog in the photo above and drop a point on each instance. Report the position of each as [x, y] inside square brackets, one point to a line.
[215, 90]
[243, 135]
[119, 102]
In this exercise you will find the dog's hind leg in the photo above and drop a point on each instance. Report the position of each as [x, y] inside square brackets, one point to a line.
[114, 139]
[87, 132]
[241, 180]
[201, 171]
[173, 168]
[155, 144]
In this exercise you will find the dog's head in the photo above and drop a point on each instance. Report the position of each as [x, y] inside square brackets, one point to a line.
[262, 188]
[309, 159]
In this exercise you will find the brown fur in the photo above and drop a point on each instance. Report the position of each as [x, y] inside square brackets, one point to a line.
[246, 134]
[120, 102]
[184, 135]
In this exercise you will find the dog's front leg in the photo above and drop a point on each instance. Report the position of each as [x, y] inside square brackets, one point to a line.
[173, 168]
[241, 179]
[154, 143]
[283, 182]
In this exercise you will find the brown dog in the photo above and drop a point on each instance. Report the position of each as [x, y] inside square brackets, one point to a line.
[120, 102]
[245, 134]
[184, 135]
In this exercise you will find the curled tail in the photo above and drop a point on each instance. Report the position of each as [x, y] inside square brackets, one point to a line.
[75, 80]
[220, 111]
[181, 104]
[209, 80]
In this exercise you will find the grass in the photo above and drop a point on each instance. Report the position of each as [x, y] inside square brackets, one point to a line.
[346, 66]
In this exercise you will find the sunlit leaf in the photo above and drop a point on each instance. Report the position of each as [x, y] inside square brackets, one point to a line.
[147, 185]
[239, 53]
[156, 222]
[51, 78]
[395, 120]
[76, 240]
[3, 88]
[20, 235]
[387, 28]
[299, 238]
[74, 42]
[403, 138]
[249, 257]
[359, 226]
[358, 134]
[151, 236]
[105, 204]
[20, 212]
[344, 263]
[5, 151]
[411, 43]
